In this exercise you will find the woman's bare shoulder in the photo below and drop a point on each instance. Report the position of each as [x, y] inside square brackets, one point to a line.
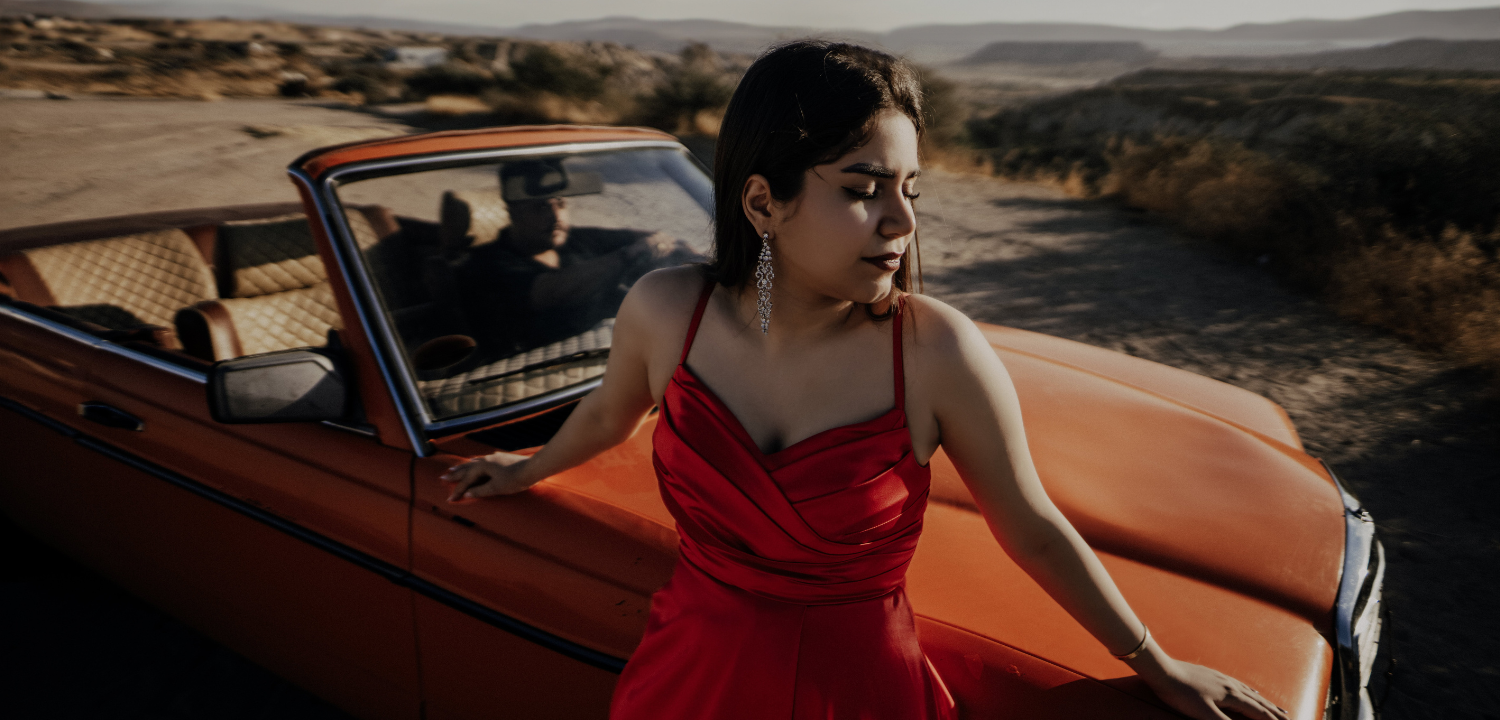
[939, 328]
[669, 291]
[945, 343]
[662, 301]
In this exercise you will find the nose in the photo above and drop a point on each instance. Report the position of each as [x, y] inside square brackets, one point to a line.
[900, 217]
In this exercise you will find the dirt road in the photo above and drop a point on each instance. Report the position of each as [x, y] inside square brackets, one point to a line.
[1418, 438]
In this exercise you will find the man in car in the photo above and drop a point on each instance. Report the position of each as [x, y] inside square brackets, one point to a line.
[544, 279]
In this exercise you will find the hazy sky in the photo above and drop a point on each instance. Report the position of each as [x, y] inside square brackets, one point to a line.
[868, 15]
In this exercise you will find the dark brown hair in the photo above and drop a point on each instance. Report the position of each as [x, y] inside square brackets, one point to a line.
[801, 104]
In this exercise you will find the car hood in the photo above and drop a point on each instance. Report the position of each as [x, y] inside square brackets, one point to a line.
[1224, 536]
[1174, 470]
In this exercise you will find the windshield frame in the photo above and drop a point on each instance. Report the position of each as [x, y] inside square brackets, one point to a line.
[399, 377]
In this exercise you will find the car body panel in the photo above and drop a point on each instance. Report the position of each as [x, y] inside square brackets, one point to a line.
[1158, 481]
[558, 559]
[319, 162]
[964, 580]
[1236, 405]
[472, 670]
[342, 631]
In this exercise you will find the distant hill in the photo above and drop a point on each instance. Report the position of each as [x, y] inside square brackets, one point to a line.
[1471, 24]
[936, 43]
[1059, 53]
[1482, 55]
[671, 35]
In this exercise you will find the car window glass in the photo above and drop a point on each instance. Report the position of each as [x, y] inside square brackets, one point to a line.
[505, 276]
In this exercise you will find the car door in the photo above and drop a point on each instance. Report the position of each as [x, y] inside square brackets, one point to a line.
[542, 595]
[280, 540]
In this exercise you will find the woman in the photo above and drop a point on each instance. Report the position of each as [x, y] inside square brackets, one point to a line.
[802, 392]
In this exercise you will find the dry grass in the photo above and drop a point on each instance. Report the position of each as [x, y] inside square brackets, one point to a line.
[957, 159]
[1442, 292]
[453, 105]
[1374, 191]
[546, 108]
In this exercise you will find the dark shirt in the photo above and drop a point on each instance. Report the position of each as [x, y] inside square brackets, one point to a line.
[496, 284]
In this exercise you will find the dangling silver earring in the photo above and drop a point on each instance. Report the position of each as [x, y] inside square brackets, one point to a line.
[763, 276]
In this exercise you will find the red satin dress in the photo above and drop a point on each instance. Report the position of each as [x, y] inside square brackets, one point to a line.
[788, 599]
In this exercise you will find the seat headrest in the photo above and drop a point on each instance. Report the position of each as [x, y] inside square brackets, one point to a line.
[276, 254]
[470, 219]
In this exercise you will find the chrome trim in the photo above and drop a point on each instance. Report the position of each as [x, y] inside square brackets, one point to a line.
[341, 241]
[466, 155]
[1360, 593]
[402, 384]
[357, 429]
[520, 407]
[100, 343]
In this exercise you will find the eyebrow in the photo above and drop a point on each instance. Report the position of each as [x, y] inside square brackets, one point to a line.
[873, 170]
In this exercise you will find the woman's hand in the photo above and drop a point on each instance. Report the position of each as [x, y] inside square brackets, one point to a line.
[1204, 693]
[494, 474]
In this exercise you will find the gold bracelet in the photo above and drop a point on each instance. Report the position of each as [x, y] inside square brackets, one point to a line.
[1138, 648]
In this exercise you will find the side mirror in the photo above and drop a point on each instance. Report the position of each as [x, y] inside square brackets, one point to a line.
[285, 386]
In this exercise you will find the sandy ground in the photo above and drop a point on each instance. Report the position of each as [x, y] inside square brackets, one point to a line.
[72, 159]
[1415, 435]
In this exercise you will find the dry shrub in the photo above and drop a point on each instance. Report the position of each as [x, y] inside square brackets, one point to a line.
[1441, 293]
[957, 159]
[544, 107]
[1345, 181]
[455, 105]
[691, 97]
[1216, 190]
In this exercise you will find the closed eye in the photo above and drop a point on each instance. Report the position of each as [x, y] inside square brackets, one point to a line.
[859, 194]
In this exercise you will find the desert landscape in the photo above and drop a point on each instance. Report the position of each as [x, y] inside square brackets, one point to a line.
[1414, 432]
[1018, 227]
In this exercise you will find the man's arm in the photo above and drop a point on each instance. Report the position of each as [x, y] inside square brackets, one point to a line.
[578, 283]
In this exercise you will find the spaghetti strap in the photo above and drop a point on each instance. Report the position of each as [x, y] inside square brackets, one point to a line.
[896, 352]
[708, 291]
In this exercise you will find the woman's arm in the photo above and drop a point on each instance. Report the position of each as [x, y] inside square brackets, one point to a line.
[980, 427]
[605, 417]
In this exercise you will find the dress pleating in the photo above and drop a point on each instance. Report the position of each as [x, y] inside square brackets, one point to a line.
[788, 598]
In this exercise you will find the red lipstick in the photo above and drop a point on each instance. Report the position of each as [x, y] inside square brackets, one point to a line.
[889, 262]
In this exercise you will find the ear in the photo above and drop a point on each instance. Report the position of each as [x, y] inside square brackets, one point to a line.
[758, 204]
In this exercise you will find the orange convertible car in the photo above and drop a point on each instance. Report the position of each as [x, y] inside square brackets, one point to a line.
[251, 406]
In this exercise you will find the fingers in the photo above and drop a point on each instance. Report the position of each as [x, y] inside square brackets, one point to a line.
[1269, 710]
[1272, 710]
[453, 474]
[1249, 703]
[465, 478]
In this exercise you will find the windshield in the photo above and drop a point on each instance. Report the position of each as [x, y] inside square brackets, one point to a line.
[505, 278]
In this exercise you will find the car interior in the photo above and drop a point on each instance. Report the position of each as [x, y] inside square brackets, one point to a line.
[206, 292]
[235, 287]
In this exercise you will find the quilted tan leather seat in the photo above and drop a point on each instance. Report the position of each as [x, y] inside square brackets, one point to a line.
[273, 288]
[119, 283]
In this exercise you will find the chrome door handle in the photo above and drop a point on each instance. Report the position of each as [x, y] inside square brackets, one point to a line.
[110, 416]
